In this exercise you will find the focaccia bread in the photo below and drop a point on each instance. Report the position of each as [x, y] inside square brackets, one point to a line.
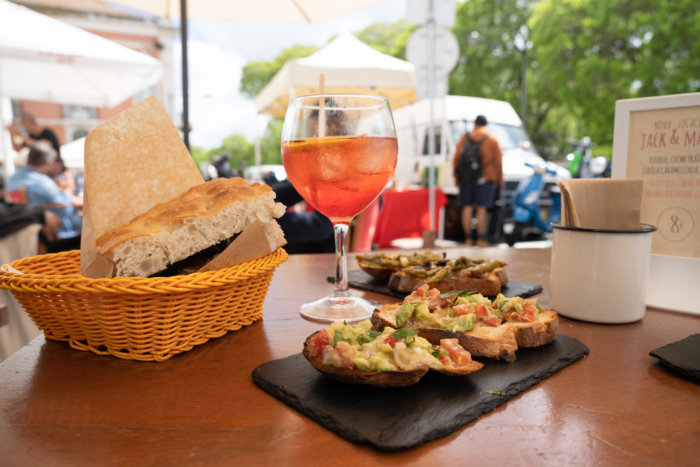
[390, 358]
[484, 328]
[200, 217]
[484, 276]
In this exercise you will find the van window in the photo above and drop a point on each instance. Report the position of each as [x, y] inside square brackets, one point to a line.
[508, 136]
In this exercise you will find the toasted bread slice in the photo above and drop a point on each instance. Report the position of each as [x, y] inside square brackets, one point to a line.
[489, 284]
[543, 331]
[497, 342]
[403, 367]
[378, 272]
[374, 378]
[383, 265]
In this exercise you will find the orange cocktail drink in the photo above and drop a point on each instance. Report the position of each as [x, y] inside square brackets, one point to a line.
[340, 176]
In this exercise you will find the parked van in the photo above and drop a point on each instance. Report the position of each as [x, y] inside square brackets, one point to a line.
[452, 116]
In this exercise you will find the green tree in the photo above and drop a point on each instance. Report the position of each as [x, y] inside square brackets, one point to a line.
[270, 142]
[388, 38]
[491, 65]
[591, 53]
[258, 73]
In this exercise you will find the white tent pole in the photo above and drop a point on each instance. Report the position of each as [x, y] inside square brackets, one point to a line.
[431, 128]
[257, 140]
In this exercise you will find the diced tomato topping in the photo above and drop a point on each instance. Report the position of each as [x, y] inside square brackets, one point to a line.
[463, 309]
[319, 341]
[528, 315]
[431, 297]
[491, 320]
[389, 339]
[457, 354]
[481, 310]
[343, 348]
[445, 359]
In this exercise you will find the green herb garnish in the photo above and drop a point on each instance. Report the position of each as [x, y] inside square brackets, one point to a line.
[405, 334]
[496, 393]
[457, 294]
[368, 336]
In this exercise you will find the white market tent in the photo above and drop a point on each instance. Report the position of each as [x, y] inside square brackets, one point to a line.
[44, 59]
[349, 66]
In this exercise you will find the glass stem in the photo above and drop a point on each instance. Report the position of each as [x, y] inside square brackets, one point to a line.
[341, 261]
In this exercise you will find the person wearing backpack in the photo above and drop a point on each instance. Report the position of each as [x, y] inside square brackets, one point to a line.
[478, 169]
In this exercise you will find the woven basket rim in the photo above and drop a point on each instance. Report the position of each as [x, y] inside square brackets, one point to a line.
[196, 280]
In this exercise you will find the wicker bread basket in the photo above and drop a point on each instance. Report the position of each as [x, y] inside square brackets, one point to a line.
[149, 319]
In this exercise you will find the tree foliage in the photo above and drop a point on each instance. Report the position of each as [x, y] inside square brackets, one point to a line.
[580, 55]
[592, 53]
[388, 38]
[258, 73]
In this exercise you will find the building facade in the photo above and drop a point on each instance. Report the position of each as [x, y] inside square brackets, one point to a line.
[144, 33]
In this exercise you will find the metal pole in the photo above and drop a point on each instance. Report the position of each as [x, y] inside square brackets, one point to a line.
[523, 78]
[185, 84]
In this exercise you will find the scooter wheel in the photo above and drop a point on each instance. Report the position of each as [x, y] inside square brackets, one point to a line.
[515, 236]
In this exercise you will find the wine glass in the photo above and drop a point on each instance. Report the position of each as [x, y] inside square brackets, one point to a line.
[339, 151]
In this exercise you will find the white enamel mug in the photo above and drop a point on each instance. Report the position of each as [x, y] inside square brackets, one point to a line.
[600, 275]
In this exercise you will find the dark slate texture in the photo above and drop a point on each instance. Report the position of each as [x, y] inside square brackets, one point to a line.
[401, 418]
[359, 279]
[682, 356]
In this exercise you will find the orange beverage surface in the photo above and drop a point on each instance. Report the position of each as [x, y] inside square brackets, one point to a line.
[340, 176]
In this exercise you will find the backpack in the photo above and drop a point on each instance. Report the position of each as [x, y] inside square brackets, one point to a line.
[469, 168]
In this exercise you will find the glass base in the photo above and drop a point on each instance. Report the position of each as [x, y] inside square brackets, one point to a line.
[330, 309]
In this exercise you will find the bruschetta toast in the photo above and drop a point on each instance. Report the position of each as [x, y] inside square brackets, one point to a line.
[383, 265]
[493, 329]
[484, 276]
[390, 358]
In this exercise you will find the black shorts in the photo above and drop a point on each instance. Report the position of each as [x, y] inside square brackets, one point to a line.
[483, 194]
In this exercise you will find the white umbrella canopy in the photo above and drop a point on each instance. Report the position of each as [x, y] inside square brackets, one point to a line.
[309, 11]
[73, 154]
[45, 59]
[349, 66]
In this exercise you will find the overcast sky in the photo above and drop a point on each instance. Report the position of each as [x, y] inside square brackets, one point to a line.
[218, 50]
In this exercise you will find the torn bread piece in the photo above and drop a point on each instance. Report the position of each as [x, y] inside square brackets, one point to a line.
[202, 216]
[258, 240]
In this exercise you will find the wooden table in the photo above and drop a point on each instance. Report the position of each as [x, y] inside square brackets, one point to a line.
[617, 406]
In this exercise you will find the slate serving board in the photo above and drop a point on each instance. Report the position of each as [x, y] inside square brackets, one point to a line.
[682, 357]
[402, 418]
[359, 279]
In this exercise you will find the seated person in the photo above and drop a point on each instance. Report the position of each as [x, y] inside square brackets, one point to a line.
[42, 189]
[14, 217]
[306, 232]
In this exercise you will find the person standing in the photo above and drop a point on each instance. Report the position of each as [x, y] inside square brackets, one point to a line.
[478, 181]
[34, 133]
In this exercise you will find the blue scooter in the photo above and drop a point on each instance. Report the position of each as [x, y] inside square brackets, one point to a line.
[528, 214]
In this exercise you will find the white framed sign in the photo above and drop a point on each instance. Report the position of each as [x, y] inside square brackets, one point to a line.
[657, 139]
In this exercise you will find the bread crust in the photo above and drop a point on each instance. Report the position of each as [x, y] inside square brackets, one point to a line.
[489, 285]
[497, 342]
[200, 217]
[383, 273]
